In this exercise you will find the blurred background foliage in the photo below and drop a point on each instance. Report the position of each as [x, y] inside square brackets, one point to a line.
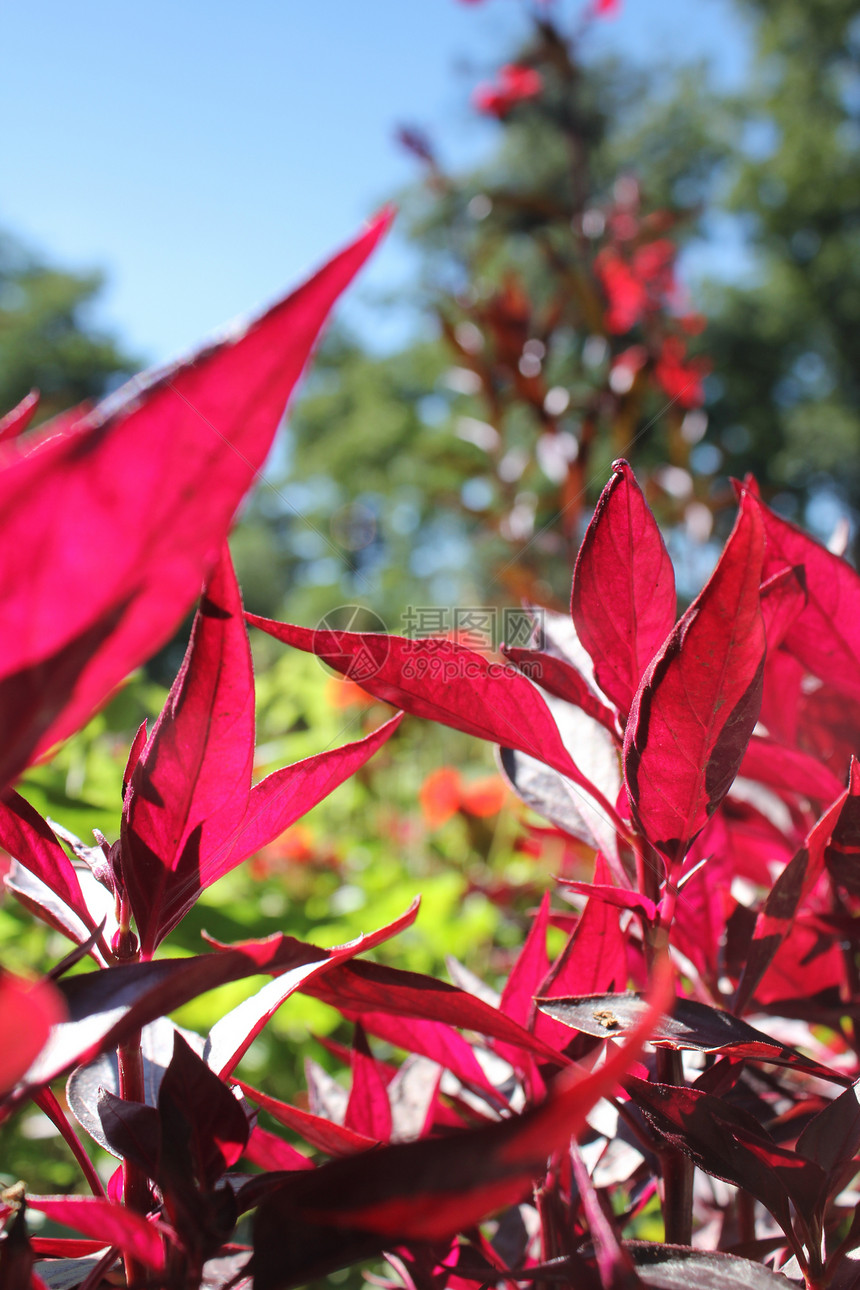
[559, 327]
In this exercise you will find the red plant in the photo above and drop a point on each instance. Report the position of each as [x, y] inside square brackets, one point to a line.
[515, 84]
[707, 765]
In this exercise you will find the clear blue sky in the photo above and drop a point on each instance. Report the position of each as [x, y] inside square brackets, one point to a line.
[208, 155]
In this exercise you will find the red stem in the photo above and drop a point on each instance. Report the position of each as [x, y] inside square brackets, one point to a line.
[47, 1102]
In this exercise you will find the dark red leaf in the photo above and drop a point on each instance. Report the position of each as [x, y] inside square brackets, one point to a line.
[424, 1190]
[699, 700]
[729, 1143]
[131, 503]
[217, 1125]
[693, 1026]
[832, 1138]
[623, 599]
[776, 918]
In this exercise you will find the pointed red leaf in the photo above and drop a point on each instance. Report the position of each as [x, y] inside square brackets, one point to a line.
[190, 814]
[432, 1039]
[217, 1127]
[789, 769]
[825, 635]
[793, 885]
[623, 599]
[113, 1224]
[444, 682]
[191, 784]
[270, 1152]
[32, 842]
[287, 794]
[110, 521]
[16, 421]
[695, 710]
[561, 679]
[327, 1136]
[529, 971]
[368, 1110]
[362, 988]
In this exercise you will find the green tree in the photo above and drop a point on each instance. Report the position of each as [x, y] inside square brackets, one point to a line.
[786, 339]
[47, 339]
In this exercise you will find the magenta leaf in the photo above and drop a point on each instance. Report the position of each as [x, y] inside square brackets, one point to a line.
[368, 1110]
[272, 1153]
[30, 839]
[789, 769]
[190, 812]
[447, 683]
[325, 1135]
[28, 1010]
[363, 988]
[623, 599]
[112, 1224]
[132, 502]
[696, 707]
[825, 635]
[16, 421]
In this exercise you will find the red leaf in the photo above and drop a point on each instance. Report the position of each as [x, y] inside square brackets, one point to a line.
[825, 636]
[789, 769]
[447, 683]
[797, 879]
[28, 1010]
[368, 1110]
[562, 680]
[30, 839]
[623, 598]
[695, 710]
[270, 1152]
[190, 787]
[16, 421]
[191, 814]
[130, 504]
[325, 1135]
[431, 1188]
[113, 1224]
[370, 987]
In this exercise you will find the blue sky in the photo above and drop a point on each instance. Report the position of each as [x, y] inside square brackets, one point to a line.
[206, 156]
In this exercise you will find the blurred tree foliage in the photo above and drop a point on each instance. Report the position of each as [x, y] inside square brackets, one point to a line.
[786, 339]
[47, 338]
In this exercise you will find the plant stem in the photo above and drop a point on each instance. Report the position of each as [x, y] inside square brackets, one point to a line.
[677, 1168]
[135, 1189]
[47, 1103]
